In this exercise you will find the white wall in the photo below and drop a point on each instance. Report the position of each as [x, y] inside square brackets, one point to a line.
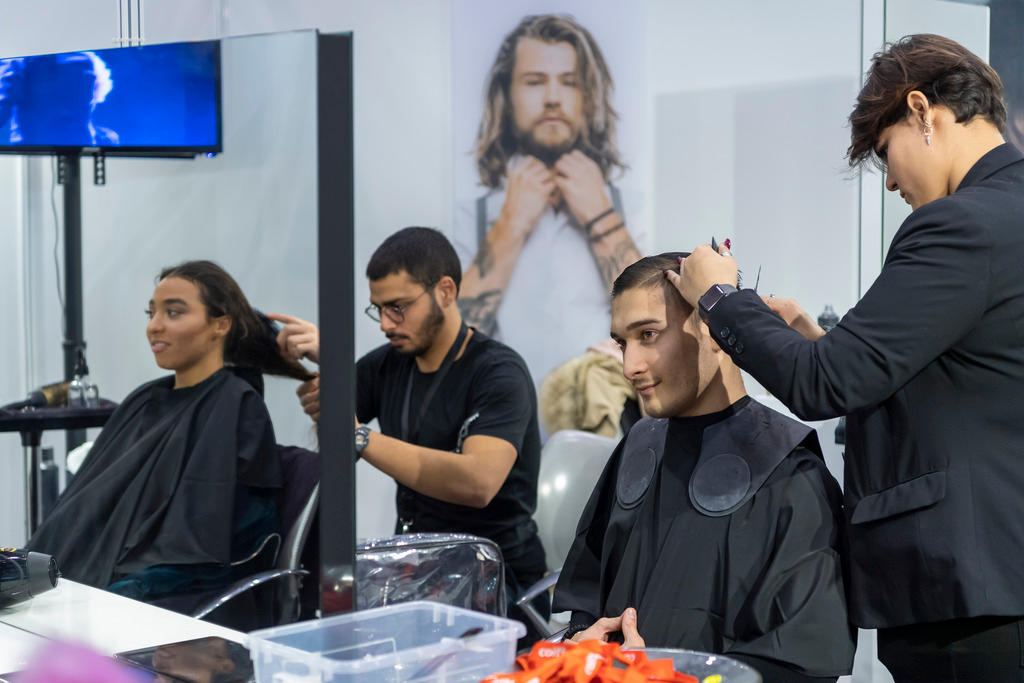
[748, 136]
[13, 346]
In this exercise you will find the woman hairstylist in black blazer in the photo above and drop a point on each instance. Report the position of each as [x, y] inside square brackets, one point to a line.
[928, 367]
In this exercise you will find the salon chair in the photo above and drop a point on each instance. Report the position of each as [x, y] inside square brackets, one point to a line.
[289, 557]
[571, 462]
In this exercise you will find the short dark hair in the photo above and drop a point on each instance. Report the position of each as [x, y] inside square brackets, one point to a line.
[944, 70]
[649, 272]
[424, 253]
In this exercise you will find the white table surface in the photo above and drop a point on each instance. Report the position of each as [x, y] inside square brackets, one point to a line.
[16, 646]
[106, 622]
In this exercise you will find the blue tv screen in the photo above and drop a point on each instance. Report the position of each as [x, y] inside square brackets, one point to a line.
[157, 99]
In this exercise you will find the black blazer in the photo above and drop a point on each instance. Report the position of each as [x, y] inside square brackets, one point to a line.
[929, 368]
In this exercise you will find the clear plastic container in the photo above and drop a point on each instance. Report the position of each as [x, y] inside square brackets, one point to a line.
[412, 641]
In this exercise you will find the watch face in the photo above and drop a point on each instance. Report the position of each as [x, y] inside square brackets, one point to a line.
[711, 298]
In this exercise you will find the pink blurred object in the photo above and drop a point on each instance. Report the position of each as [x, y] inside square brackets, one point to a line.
[64, 663]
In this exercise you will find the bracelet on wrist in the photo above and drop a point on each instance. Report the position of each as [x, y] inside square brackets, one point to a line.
[601, 235]
[589, 225]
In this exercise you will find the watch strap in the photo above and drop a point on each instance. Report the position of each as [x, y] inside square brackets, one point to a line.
[361, 443]
[711, 298]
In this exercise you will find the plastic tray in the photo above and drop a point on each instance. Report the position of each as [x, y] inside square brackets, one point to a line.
[412, 641]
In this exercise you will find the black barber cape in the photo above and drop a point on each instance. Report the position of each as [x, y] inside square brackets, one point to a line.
[159, 484]
[763, 580]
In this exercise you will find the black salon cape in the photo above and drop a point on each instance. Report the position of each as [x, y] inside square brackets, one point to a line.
[765, 581]
[159, 484]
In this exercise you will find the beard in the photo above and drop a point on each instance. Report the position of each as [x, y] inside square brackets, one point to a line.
[547, 152]
[427, 332]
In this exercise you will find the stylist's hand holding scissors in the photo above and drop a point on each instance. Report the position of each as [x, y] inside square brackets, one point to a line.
[702, 269]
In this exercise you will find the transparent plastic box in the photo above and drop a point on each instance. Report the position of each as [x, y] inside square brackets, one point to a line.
[704, 666]
[412, 641]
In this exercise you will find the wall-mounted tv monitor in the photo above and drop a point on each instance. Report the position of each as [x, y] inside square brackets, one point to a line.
[153, 100]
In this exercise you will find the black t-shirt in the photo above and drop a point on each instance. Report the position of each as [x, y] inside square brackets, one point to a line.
[487, 391]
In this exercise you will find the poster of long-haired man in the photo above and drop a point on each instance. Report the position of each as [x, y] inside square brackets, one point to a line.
[544, 220]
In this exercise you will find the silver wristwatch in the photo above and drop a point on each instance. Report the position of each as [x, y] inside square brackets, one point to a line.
[362, 438]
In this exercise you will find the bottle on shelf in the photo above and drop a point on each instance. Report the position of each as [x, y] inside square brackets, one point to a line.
[82, 391]
[828, 318]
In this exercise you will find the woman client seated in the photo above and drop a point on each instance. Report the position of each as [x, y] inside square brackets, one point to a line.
[180, 485]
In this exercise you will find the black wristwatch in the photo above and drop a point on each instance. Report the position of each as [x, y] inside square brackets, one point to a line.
[711, 298]
[362, 438]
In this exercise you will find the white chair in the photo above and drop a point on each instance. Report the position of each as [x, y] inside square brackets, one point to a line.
[571, 462]
[570, 465]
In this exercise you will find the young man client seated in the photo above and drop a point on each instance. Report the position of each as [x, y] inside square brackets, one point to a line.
[715, 525]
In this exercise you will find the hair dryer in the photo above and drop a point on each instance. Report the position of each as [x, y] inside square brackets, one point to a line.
[55, 394]
[24, 575]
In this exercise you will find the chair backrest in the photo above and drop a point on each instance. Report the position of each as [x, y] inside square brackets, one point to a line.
[297, 506]
[571, 462]
[296, 535]
[300, 469]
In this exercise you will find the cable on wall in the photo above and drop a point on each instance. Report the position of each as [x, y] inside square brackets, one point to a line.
[54, 165]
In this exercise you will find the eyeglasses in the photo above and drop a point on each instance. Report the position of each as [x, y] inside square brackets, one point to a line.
[394, 312]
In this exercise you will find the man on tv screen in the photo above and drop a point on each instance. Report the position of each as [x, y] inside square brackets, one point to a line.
[53, 97]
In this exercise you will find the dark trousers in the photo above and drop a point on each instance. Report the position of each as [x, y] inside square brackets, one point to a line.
[978, 649]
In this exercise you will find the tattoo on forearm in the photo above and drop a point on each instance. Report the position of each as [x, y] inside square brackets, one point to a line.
[481, 311]
[612, 262]
[484, 259]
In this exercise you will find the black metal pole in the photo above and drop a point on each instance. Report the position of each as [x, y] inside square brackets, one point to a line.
[74, 329]
[336, 291]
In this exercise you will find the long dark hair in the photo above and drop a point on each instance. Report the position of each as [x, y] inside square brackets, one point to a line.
[496, 138]
[251, 342]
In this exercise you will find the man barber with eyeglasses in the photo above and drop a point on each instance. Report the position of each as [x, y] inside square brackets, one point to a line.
[457, 410]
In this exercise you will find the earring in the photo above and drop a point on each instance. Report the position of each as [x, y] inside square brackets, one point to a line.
[927, 133]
